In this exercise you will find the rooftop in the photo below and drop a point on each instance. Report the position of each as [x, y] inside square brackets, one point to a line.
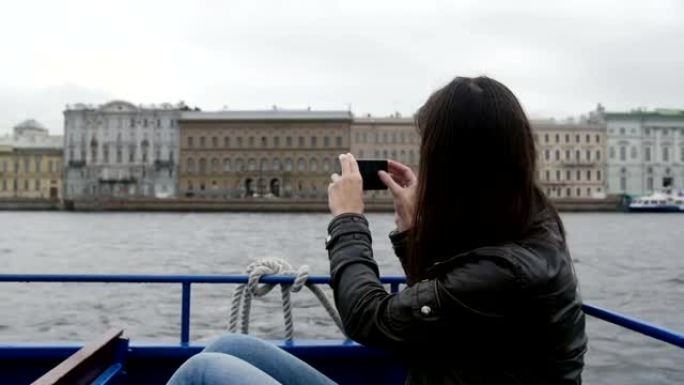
[640, 112]
[275, 114]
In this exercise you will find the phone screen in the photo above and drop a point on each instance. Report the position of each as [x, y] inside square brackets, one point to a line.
[369, 172]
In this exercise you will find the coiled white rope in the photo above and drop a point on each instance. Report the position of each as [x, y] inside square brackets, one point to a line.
[242, 298]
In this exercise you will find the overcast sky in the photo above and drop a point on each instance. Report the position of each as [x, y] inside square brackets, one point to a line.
[377, 56]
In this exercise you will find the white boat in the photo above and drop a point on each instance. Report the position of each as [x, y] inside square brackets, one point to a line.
[659, 202]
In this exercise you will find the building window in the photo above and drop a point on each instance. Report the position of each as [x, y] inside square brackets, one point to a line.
[612, 152]
[119, 154]
[313, 165]
[226, 165]
[598, 175]
[568, 192]
[588, 138]
[598, 138]
[634, 152]
[264, 141]
[215, 165]
[288, 141]
[202, 166]
[557, 155]
[577, 138]
[301, 141]
[263, 164]
[239, 165]
[588, 155]
[598, 155]
[301, 165]
[214, 142]
[623, 153]
[647, 154]
[203, 142]
[649, 183]
[579, 175]
[548, 176]
[577, 155]
[666, 154]
[326, 140]
[275, 164]
[250, 142]
[546, 138]
[276, 141]
[567, 154]
[190, 141]
[647, 131]
[226, 141]
[314, 141]
[557, 138]
[239, 141]
[578, 192]
[326, 164]
[558, 175]
[546, 155]
[567, 138]
[288, 164]
[622, 130]
[588, 175]
[251, 165]
[568, 175]
[131, 154]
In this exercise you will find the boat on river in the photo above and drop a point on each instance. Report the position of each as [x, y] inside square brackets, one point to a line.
[113, 359]
[658, 202]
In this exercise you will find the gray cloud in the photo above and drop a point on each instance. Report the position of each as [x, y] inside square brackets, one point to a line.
[379, 56]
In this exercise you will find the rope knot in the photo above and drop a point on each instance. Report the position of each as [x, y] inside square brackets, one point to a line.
[275, 266]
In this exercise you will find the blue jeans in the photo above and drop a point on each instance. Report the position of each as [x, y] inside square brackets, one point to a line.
[238, 359]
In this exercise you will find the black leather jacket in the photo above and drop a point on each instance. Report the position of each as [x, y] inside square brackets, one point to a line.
[509, 314]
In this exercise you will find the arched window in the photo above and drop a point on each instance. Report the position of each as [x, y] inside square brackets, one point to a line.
[263, 164]
[202, 166]
[301, 165]
[275, 165]
[214, 165]
[313, 165]
[239, 165]
[226, 165]
[251, 165]
[190, 166]
[326, 164]
[288, 164]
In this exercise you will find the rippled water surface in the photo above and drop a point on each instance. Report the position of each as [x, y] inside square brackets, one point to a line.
[627, 262]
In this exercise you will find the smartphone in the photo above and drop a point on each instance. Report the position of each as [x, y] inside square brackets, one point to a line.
[369, 172]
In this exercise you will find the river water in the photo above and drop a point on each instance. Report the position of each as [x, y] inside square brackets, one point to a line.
[626, 262]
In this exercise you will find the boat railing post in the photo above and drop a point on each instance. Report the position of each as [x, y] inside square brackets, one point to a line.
[185, 314]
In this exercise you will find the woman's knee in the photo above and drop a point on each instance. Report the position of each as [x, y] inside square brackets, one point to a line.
[237, 344]
[218, 369]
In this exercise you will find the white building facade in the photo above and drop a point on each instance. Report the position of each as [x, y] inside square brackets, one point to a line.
[645, 151]
[121, 150]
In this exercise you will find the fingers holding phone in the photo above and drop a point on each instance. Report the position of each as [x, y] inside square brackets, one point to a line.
[403, 183]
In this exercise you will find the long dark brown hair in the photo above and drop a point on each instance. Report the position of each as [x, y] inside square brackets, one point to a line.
[476, 182]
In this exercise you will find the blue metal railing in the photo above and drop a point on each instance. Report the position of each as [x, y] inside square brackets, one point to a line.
[646, 328]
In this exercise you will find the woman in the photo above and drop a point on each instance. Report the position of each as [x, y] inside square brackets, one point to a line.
[492, 295]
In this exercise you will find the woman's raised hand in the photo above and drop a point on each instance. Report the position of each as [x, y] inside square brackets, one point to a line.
[403, 183]
[345, 193]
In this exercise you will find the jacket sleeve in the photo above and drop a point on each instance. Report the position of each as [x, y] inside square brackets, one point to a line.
[418, 313]
[399, 241]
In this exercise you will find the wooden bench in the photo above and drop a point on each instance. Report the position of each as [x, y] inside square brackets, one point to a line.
[98, 362]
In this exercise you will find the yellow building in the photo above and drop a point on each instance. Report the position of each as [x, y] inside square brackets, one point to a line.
[30, 164]
[260, 154]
